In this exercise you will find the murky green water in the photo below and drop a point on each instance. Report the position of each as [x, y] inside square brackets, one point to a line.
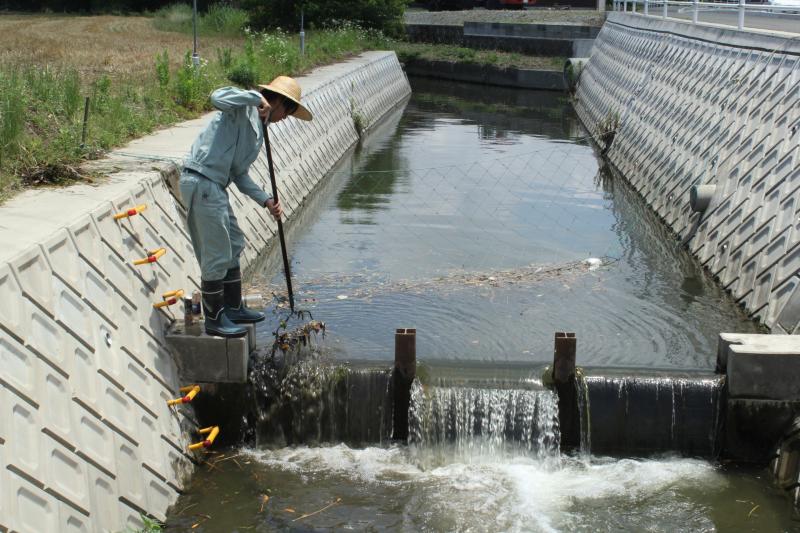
[469, 216]
[452, 220]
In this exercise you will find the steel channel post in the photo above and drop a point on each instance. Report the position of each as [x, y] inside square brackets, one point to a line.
[741, 14]
[695, 11]
[665, 7]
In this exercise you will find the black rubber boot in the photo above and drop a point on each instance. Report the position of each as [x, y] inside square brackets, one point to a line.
[234, 309]
[217, 323]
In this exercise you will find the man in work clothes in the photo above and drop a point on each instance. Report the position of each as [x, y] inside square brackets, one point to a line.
[221, 155]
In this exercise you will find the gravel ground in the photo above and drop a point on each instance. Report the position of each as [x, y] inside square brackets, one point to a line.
[542, 15]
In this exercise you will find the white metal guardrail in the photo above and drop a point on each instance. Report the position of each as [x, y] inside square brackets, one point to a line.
[787, 8]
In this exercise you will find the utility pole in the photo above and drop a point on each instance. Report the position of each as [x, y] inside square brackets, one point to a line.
[195, 56]
[302, 36]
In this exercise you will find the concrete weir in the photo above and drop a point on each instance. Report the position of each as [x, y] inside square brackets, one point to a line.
[87, 440]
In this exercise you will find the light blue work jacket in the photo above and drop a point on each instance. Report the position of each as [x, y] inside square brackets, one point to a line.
[224, 151]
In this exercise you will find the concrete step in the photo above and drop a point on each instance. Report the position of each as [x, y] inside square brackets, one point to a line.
[201, 358]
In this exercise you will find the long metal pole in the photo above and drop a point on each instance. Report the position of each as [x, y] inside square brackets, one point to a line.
[195, 56]
[286, 269]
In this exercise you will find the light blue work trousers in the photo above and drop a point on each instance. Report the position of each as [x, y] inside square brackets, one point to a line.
[218, 242]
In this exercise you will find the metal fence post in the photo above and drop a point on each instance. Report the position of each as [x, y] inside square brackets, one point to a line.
[646, 10]
[625, 5]
[695, 9]
[741, 14]
[665, 8]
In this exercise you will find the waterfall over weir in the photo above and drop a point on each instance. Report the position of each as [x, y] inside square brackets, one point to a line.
[472, 411]
[634, 413]
[485, 422]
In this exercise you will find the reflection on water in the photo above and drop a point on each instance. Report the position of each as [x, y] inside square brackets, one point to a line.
[471, 181]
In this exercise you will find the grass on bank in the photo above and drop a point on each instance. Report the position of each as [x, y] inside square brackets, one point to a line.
[458, 54]
[137, 78]
[138, 75]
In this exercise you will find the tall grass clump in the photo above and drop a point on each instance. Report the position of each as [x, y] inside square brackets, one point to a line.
[12, 115]
[177, 17]
[220, 19]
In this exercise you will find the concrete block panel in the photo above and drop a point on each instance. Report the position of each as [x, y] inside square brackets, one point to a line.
[24, 450]
[130, 478]
[103, 491]
[60, 250]
[159, 495]
[150, 441]
[48, 339]
[140, 388]
[12, 317]
[119, 410]
[71, 312]
[788, 314]
[32, 510]
[56, 404]
[83, 379]
[95, 440]
[33, 274]
[73, 521]
[20, 368]
[66, 476]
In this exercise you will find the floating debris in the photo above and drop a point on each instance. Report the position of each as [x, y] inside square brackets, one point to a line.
[366, 285]
[594, 263]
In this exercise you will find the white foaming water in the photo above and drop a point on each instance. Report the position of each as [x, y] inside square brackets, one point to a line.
[489, 493]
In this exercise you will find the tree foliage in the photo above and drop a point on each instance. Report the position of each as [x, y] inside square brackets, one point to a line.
[385, 15]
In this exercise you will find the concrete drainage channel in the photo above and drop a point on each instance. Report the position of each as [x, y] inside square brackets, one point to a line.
[93, 433]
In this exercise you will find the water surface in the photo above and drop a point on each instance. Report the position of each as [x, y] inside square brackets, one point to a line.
[469, 217]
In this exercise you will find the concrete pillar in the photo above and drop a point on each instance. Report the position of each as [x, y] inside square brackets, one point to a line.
[564, 357]
[567, 389]
[405, 370]
[741, 11]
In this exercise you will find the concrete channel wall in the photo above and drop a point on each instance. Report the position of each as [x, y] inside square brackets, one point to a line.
[562, 40]
[674, 106]
[87, 442]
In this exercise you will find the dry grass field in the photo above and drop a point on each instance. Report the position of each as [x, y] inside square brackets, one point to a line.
[120, 47]
[137, 76]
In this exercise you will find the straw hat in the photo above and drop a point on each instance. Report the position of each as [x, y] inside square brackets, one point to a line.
[288, 87]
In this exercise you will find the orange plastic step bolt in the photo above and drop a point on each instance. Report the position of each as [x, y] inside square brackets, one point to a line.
[189, 393]
[130, 212]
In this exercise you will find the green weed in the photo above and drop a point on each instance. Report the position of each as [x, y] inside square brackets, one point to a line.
[162, 70]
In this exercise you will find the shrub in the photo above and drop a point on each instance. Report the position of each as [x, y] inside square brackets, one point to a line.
[192, 84]
[177, 17]
[224, 20]
[245, 70]
[162, 69]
